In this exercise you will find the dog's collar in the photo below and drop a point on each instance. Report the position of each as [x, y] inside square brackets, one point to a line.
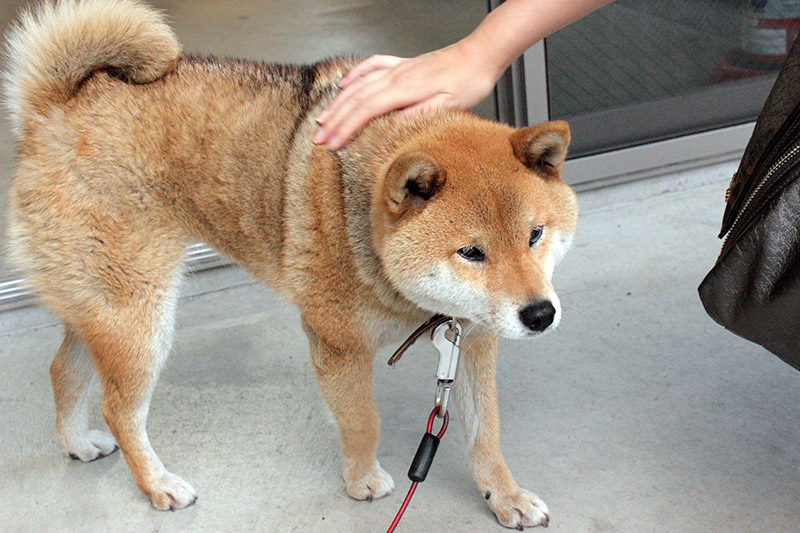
[446, 338]
[431, 323]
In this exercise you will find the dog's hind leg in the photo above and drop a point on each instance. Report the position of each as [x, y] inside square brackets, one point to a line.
[130, 347]
[72, 374]
[345, 380]
[104, 255]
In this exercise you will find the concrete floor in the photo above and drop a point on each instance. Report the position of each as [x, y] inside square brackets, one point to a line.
[639, 414]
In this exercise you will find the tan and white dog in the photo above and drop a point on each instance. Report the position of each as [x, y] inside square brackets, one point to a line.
[128, 150]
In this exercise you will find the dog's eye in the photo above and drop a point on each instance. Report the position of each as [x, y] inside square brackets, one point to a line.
[472, 253]
[536, 234]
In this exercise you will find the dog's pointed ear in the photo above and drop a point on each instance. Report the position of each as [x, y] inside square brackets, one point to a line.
[412, 179]
[542, 148]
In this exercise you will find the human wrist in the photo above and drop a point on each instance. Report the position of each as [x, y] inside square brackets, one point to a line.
[486, 58]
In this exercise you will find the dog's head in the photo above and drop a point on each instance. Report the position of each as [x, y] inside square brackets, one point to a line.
[470, 219]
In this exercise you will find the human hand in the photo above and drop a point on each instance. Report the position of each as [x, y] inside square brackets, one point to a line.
[454, 76]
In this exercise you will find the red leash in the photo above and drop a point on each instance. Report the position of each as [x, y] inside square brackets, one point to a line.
[403, 507]
[422, 461]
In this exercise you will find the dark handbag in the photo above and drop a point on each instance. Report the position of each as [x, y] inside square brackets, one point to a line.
[754, 288]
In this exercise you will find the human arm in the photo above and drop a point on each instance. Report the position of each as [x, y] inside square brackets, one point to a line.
[459, 75]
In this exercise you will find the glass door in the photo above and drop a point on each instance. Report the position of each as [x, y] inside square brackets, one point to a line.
[639, 71]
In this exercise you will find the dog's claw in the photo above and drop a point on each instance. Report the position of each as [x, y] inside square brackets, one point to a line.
[171, 493]
[519, 509]
[91, 446]
[376, 484]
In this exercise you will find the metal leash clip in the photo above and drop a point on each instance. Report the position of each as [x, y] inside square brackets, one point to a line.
[446, 338]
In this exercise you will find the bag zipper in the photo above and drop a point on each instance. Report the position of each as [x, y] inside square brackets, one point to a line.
[791, 120]
[736, 229]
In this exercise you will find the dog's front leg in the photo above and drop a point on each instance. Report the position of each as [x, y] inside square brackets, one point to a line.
[345, 380]
[476, 399]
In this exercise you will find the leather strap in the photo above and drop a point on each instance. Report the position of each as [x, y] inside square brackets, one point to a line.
[431, 323]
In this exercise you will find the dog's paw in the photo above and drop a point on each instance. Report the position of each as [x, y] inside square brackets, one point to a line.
[170, 492]
[376, 484]
[93, 445]
[518, 509]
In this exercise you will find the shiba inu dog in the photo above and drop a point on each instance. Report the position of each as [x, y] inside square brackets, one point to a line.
[128, 150]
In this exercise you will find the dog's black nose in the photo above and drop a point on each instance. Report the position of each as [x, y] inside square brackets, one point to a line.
[538, 315]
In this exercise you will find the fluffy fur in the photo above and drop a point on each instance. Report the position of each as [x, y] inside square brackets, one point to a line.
[53, 48]
[128, 150]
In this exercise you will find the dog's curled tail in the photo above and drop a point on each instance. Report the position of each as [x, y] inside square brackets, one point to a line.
[55, 46]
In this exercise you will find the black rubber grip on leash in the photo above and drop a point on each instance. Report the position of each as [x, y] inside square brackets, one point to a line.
[424, 457]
